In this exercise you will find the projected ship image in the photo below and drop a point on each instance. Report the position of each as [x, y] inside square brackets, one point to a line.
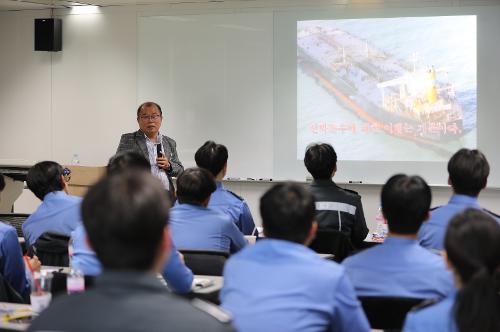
[412, 99]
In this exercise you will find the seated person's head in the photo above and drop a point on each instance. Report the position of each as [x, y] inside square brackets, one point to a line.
[194, 186]
[472, 244]
[405, 203]
[287, 212]
[125, 216]
[321, 161]
[127, 161]
[468, 172]
[212, 156]
[45, 177]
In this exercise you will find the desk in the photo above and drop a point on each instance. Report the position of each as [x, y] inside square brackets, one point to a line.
[13, 309]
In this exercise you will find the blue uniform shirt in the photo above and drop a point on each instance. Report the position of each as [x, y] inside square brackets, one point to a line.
[59, 212]
[278, 285]
[236, 208]
[437, 318]
[11, 260]
[177, 275]
[399, 267]
[197, 227]
[431, 233]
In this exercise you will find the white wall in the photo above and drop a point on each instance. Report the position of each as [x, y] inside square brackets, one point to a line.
[89, 89]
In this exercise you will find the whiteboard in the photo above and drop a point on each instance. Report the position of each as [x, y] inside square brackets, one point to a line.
[213, 76]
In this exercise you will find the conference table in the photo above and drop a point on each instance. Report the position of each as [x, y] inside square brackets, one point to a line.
[14, 317]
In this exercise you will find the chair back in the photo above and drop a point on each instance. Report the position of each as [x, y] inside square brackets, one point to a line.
[16, 220]
[387, 313]
[52, 249]
[205, 262]
[332, 242]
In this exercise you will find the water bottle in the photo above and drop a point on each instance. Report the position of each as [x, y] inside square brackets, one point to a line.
[381, 231]
[75, 281]
[75, 160]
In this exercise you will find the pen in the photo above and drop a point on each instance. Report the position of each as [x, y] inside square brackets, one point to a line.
[355, 182]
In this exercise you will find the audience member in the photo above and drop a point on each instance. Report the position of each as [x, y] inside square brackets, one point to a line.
[400, 267]
[148, 139]
[12, 266]
[178, 276]
[59, 211]
[336, 208]
[279, 284]
[213, 157]
[472, 244]
[124, 215]
[194, 226]
[468, 174]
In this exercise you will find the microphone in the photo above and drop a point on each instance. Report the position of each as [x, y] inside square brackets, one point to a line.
[158, 150]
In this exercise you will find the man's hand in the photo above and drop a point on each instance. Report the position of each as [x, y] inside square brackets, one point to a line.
[163, 162]
[35, 264]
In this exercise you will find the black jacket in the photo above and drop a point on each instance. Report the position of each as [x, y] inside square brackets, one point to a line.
[127, 301]
[339, 209]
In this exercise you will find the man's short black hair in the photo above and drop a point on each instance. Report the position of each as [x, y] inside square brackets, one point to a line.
[148, 104]
[2, 182]
[320, 161]
[44, 178]
[405, 203]
[124, 215]
[211, 156]
[195, 185]
[126, 161]
[287, 212]
[468, 171]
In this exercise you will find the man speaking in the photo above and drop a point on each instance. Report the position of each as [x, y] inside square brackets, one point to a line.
[157, 148]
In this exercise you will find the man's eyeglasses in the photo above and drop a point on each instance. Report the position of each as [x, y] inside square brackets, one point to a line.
[67, 174]
[150, 117]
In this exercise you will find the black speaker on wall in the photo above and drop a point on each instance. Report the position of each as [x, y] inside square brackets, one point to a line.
[48, 34]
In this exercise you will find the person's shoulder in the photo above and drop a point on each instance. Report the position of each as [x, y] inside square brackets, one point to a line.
[6, 228]
[128, 136]
[431, 314]
[169, 139]
[218, 216]
[74, 199]
[236, 196]
[191, 314]
[362, 258]
[492, 214]
[349, 194]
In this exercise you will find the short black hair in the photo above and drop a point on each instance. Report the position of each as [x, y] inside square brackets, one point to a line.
[2, 182]
[468, 171]
[127, 160]
[195, 185]
[405, 203]
[124, 215]
[211, 156]
[45, 177]
[148, 104]
[287, 212]
[320, 160]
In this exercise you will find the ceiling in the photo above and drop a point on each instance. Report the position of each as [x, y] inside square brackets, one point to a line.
[47, 4]
[7, 5]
